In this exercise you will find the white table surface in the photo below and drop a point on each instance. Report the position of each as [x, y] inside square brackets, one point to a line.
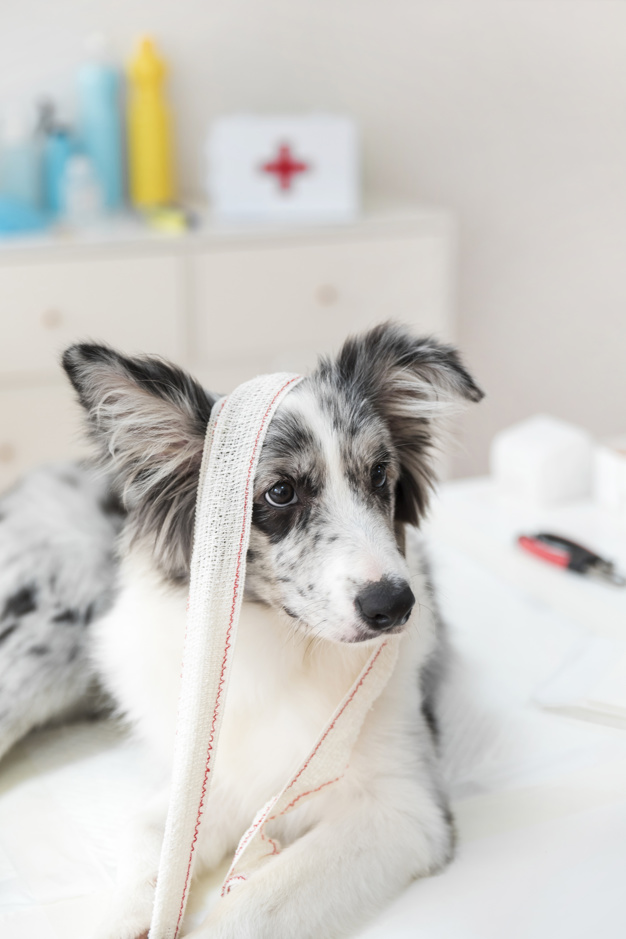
[540, 799]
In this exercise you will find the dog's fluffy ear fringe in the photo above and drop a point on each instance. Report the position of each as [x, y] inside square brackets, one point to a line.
[148, 420]
[415, 384]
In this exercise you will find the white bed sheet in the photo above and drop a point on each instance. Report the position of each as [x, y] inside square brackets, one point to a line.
[540, 799]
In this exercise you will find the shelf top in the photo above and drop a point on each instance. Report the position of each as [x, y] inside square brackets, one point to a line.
[130, 232]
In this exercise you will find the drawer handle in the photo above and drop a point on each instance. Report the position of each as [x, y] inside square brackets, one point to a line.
[326, 295]
[51, 319]
[7, 452]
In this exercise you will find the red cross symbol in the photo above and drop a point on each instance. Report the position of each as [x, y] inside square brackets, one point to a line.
[285, 167]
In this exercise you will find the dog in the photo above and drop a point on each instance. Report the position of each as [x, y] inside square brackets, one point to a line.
[94, 572]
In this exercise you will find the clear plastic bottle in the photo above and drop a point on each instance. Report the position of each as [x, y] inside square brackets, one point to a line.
[20, 160]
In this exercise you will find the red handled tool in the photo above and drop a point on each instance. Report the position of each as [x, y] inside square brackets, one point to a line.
[570, 555]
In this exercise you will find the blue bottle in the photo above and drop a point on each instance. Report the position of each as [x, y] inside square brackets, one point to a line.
[100, 121]
[57, 149]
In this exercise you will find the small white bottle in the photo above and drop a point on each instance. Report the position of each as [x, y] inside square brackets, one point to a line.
[83, 196]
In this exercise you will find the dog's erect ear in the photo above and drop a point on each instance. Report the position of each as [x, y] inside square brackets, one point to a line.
[414, 384]
[149, 420]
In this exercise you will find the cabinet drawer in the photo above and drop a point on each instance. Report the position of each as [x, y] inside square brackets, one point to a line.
[38, 425]
[277, 307]
[131, 303]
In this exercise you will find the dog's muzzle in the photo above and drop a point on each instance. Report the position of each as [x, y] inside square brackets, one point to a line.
[384, 604]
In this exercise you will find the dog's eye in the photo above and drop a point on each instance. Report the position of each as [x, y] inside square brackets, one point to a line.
[281, 494]
[379, 476]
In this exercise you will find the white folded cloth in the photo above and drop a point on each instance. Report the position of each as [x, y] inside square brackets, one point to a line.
[591, 682]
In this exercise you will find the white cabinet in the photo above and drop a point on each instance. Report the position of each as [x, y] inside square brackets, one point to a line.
[278, 306]
[133, 303]
[37, 425]
[225, 303]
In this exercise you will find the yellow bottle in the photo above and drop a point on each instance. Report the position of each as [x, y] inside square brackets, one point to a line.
[149, 130]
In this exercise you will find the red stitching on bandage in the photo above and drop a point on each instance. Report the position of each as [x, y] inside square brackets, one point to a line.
[267, 838]
[330, 726]
[270, 840]
[227, 646]
[303, 794]
[228, 885]
[247, 837]
[261, 822]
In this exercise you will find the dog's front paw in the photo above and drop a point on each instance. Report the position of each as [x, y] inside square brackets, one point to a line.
[130, 916]
[249, 911]
[231, 918]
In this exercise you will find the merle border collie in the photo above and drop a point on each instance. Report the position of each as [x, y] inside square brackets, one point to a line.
[94, 567]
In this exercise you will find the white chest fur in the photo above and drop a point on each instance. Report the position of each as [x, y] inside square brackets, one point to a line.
[282, 691]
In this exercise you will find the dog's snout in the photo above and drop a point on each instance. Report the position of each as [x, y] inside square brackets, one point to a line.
[385, 604]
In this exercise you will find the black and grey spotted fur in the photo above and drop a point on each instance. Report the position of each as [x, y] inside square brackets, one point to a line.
[383, 398]
[57, 575]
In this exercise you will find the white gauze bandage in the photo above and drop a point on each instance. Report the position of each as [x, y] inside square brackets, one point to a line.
[222, 530]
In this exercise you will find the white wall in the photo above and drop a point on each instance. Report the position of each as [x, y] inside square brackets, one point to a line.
[511, 113]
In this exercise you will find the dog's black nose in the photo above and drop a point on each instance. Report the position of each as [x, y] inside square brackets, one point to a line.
[385, 603]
